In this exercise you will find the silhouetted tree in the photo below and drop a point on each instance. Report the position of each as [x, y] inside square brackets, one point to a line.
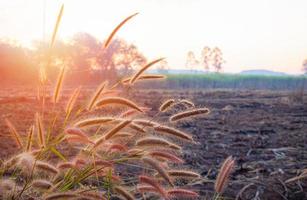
[118, 57]
[305, 66]
[217, 59]
[191, 61]
[84, 57]
[163, 67]
[15, 64]
[205, 58]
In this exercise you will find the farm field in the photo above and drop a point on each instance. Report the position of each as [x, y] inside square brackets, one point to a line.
[265, 131]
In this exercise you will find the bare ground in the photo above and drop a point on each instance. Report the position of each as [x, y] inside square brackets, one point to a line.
[265, 131]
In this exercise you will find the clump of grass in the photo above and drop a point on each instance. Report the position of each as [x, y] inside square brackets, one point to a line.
[102, 146]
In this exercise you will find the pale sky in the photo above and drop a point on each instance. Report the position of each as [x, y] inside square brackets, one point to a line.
[253, 34]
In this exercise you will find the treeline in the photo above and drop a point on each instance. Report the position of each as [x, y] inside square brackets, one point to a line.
[229, 81]
[84, 57]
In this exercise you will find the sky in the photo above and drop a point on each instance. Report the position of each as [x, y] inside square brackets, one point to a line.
[253, 34]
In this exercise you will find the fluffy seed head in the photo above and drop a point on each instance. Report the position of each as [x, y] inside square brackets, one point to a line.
[155, 141]
[145, 123]
[40, 130]
[112, 132]
[187, 103]
[223, 176]
[181, 193]
[58, 86]
[77, 139]
[183, 174]
[93, 121]
[117, 28]
[139, 73]
[76, 132]
[124, 193]
[72, 100]
[166, 155]
[146, 188]
[167, 104]
[14, 133]
[173, 132]
[66, 165]
[44, 166]
[137, 127]
[189, 113]
[152, 182]
[6, 185]
[119, 101]
[96, 95]
[144, 77]
[29, 139]
[25, 163]
[41, 184]
[155, 164]
[62, 195]
[93, 195]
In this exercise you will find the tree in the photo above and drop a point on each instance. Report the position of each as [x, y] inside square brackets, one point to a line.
[217, 59]
[118, 58]
[84, 57]
[191, 62]
[163, 67]
[205, 58]
[305, 66]
[15, 64]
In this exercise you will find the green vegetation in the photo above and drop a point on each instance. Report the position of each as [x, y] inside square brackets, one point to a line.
[232, 81]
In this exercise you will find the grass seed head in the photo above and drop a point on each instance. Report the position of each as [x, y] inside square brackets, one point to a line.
[183, 174]
[25, 163]
[58, 86]
[189, 113]
[46, 167]
[174, 132]
[152, 182]
[165, 155]
[155, 141]
[144, 77]
[118, 101]
[93, 121]
[41, 184]
[123, 192]
[139, 73]
[96, 95]
[224, 174]
[62, 195]
[167, 104]
[187, 103]
[156, 165]
[14, 133]
[29, 139]
[40, 130]
[181, 194]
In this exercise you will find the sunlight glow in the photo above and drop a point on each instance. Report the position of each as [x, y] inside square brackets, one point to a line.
[262, 34]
